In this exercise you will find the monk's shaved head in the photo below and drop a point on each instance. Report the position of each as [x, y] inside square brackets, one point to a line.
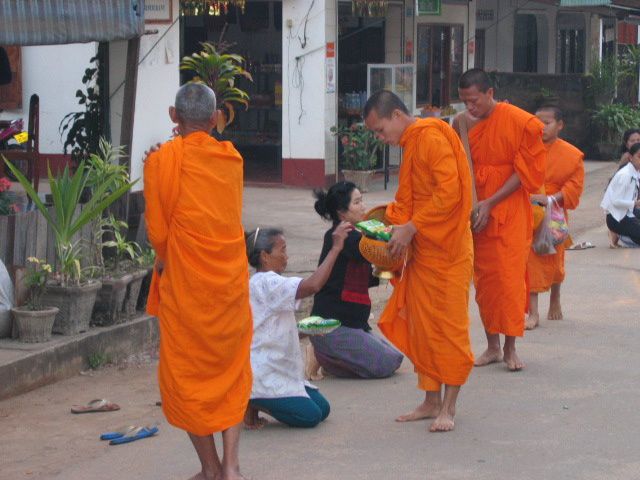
[555, 111]
[384, 103]
[475, 77]
[195, 103]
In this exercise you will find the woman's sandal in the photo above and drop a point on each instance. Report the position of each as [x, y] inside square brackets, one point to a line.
[97, 405]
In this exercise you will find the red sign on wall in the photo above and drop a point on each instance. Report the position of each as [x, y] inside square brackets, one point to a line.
[331, 49]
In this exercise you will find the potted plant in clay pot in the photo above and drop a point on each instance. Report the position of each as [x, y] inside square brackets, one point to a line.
[359, 153]
[109, 306]
[34, 321]
[70, 291]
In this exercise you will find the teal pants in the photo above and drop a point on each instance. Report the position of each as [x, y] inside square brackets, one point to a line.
[300, 412]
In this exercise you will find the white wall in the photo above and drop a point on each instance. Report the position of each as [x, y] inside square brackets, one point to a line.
[307, 110]
[55, 74]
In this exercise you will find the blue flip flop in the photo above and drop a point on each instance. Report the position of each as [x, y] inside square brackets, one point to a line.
[137, 433]
[119, 432]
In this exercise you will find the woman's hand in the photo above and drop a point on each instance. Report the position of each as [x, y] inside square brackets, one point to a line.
[539, 198]
[401, 238]
[340, 234]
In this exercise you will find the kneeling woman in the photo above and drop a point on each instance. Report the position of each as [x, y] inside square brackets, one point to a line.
[621, 199]
[279, 387]
[351, 350]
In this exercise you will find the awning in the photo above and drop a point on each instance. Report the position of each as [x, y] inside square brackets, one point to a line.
[585, 3]
[47, 22]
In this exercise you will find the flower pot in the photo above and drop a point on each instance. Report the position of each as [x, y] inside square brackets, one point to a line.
[75, 304]
[361, 178]
[5, 323]
[144, 291]
[34, 326]
[108, 307]
[129, 308]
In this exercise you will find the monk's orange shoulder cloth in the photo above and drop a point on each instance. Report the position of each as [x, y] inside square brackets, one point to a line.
[509, 141]
[565, 173]
[427, 315]
[193, 212]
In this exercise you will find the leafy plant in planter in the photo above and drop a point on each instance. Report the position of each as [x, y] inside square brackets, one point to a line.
[603, 76]
[611, 121]
[65, 220]
[34, 322]
[359, 153]
[219, 71]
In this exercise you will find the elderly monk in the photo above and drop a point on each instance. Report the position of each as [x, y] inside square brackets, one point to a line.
[200, 286]
[427, 315]
[564, 181]
[508, 162]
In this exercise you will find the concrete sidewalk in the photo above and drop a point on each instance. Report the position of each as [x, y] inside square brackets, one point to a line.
[570, 414]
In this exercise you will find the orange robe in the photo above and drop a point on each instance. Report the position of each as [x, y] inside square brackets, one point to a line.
[193, 195]
[508, 141]
[427, 315]
[565, 173]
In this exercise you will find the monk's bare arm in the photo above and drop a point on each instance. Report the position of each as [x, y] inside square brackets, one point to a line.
[313, 284]
[484, 207]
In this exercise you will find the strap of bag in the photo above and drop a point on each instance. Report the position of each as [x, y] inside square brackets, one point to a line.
[464, 134]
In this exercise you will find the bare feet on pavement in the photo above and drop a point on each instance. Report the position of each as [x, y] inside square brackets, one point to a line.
[422, 411]
[531, 321]
[514, 363]
[443, 422]
[489, 356]
[555, 310]
[252, 419]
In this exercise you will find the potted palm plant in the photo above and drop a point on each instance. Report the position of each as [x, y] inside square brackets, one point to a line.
[34, 322]
[359, 153]
[219, 71]
[70, 291]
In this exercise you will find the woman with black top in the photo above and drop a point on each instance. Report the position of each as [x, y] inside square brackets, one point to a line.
[352, 350]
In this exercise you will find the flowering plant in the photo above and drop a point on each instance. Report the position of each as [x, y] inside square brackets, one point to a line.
[360, 147]
[7, 206]
[36, 281]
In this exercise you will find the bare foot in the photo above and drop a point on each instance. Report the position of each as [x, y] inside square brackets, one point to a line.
[614, 238]
[252, 419]
[489, 356]
[555, 312]
[232, 474]
[531, 321]
[443, 422]
[202, 476]
[514, 363]
[422, 411]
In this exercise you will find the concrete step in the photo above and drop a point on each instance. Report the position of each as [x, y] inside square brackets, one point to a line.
[25, 366]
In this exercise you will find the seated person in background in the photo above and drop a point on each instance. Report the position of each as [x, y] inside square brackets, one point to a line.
[279, 387]
[629, 138]
[351, 350]
[621, 198]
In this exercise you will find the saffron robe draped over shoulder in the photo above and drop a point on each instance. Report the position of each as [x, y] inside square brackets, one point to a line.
[193, 195]
[564, 173]
[427, 315]
[508, 141]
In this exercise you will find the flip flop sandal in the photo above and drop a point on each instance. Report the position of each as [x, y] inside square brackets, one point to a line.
[97, 405]
[117, 433]
[137, 433]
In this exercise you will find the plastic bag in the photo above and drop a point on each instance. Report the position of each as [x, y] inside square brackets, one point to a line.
[543, 241]
[558, 222]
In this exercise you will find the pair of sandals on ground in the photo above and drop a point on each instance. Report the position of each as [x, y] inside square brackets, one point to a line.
[121, 435]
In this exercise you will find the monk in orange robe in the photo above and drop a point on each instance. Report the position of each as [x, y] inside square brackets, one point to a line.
[508, 162]
[427, 316]
[200, 286]
[564, 181]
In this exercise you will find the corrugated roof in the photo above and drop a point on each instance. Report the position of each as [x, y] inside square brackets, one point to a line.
[585, 3]
[47, 22]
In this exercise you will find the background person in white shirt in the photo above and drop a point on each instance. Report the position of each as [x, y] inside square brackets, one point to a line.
[621, 198]
[279, 385]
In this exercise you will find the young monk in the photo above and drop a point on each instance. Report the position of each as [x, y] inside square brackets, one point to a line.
[508, 162]
[564, 181]
[200, 285]
[427, 315]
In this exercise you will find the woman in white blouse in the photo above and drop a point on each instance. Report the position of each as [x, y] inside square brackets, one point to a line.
[279, 386]
[621, 198]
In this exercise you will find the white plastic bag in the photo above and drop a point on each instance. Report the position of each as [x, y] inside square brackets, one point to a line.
[543, 240]
[6, 301]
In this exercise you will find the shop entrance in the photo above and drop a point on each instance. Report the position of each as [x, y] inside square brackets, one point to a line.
[256, 35]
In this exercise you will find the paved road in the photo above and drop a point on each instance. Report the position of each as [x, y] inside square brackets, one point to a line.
[572, 414]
